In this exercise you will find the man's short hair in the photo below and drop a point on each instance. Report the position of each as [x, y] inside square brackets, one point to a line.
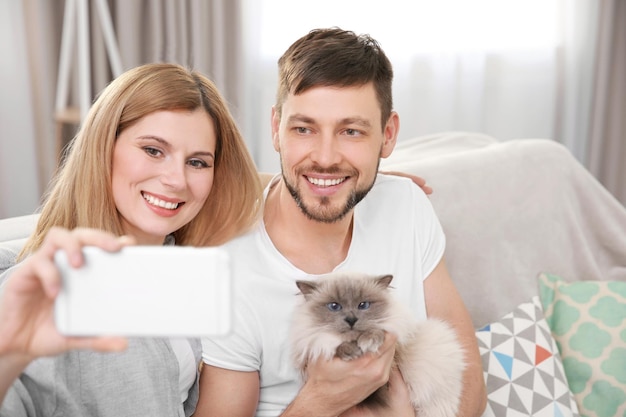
[338, 58]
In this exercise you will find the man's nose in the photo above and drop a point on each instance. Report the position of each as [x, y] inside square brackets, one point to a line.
[326, 152]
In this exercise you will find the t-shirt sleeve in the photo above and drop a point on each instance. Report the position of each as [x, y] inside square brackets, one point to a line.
[430, 236]
[236, 351]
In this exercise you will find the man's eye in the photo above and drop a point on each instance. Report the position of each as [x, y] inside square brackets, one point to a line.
[302, 130]
[352, 132]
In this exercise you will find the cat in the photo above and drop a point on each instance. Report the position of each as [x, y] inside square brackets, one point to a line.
[347, 315]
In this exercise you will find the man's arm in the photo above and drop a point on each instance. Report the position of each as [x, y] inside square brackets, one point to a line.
[226, 393]
[336, 386]
[332, 387]
[444, 301]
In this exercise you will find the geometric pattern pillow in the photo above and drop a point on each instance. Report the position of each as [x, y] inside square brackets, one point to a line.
[588, 321]
[522, 367]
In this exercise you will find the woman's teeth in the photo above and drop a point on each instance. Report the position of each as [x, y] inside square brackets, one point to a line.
[160, 203]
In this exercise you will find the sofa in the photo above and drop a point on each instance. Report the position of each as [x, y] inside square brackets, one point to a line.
[526, 227]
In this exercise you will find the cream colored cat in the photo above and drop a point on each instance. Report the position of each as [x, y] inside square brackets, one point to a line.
[347, 314]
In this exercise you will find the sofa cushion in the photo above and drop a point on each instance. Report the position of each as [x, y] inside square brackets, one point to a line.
[588, 320]
[522, 367]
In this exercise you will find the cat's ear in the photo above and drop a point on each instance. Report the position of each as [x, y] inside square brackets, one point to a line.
[384, 280]
[306, 287]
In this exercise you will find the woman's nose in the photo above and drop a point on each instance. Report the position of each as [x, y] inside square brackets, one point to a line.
[173, 174]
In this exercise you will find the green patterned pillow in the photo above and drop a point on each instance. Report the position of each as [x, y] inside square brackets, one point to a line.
[588, 322]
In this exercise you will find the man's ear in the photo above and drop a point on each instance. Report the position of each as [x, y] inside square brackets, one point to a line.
[275, 127]
[390, 133]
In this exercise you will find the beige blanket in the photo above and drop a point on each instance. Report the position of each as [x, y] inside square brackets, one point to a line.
[514, 209]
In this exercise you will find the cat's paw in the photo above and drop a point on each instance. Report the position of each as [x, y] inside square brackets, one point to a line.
[348, 351]
[371, 340]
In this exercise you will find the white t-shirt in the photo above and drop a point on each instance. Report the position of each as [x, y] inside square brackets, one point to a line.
[395, 231]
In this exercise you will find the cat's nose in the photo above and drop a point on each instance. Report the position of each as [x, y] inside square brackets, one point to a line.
[351, 320]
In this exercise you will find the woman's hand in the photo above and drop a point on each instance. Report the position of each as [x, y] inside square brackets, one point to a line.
[419, 181]
[27, 298]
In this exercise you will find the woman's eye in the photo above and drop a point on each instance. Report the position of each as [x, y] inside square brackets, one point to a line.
[198, 163]
[333, 306]
[364, 305]
[151, 151]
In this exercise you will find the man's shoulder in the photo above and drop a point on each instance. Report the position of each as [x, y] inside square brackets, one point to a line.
[395, 185]
[393, 195]
[245, 239]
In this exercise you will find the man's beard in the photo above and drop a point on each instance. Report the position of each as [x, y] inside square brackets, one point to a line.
[323, 213]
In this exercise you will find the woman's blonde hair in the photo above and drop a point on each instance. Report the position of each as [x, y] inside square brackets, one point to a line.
[80, 193]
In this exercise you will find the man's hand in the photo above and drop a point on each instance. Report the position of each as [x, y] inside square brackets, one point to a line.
[336, 385]
[399, 401]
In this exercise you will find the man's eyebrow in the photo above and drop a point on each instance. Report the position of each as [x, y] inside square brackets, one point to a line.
[356, 121]
[300, 118]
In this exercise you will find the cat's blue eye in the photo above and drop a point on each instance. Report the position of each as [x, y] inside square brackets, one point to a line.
[334, 306]
[364, 305]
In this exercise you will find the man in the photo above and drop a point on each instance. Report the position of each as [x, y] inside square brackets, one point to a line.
[329, 210]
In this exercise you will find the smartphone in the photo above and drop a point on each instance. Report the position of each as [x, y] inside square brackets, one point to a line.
[152, 291]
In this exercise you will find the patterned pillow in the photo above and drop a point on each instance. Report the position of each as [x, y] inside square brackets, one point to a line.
[588, 321]
[522, 367]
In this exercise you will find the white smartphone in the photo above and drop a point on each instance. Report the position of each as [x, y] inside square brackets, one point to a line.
[152, 291]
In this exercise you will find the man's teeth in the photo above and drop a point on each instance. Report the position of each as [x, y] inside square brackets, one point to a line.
[325, 182]
[160, 203]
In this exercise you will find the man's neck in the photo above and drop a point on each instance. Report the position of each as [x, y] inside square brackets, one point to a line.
[312, 246]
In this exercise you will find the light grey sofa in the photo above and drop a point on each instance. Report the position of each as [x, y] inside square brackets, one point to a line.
[13, 234]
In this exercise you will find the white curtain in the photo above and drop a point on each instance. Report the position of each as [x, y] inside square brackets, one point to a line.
[26, 106]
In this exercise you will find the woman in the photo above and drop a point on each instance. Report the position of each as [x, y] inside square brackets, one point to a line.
[158, 158]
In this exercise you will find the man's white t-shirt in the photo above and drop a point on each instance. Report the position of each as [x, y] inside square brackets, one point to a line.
[395, 232]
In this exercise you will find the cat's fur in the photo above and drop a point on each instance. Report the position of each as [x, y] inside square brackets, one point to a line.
[428, 353]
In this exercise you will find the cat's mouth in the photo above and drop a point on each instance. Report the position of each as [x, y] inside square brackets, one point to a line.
[325, 182]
